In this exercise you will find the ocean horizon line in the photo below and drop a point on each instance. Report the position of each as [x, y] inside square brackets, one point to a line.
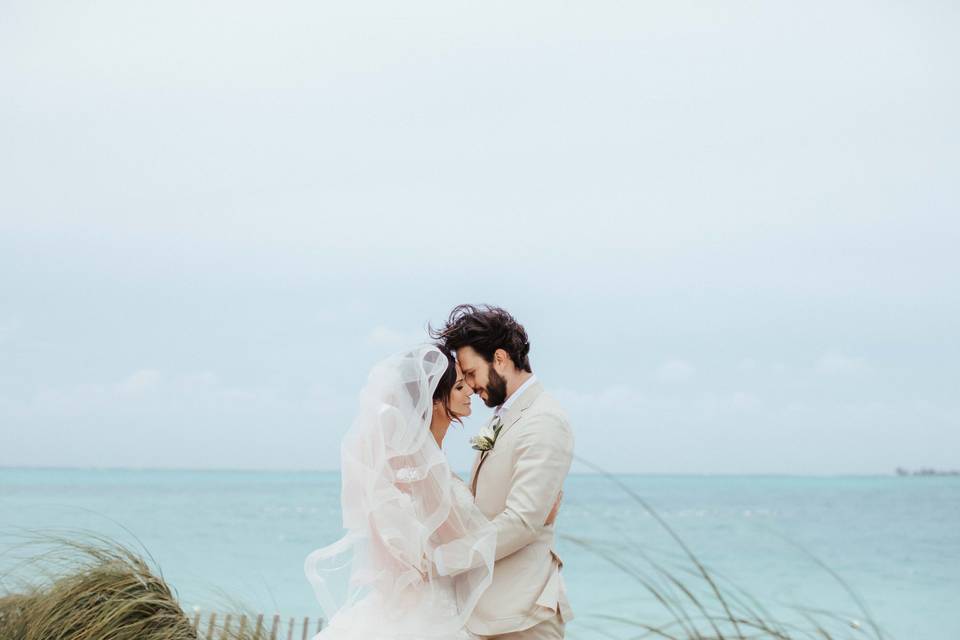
[275, 470]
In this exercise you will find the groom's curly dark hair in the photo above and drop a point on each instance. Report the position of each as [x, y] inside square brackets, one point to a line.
[486, 329]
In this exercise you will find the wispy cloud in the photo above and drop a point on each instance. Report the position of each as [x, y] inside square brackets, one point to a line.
[838, 364]
[140, 382]
[676, 370]
[744, 401]
[389, 338]
[145, 389]
[614, 398]
[8, 328]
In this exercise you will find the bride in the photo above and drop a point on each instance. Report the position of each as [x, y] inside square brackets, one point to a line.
[417, 553]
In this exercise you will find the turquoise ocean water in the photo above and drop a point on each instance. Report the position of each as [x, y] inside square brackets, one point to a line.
[232, 535]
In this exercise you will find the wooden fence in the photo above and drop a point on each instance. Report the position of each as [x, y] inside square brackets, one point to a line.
[214, 626]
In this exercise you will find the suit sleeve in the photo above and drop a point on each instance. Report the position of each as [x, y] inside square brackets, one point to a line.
[542, 457]
[543, 454]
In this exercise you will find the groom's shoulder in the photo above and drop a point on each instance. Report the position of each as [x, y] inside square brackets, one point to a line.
[548, 422]
[548, 407]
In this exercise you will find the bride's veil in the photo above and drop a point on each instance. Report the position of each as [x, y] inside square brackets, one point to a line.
[400, 506]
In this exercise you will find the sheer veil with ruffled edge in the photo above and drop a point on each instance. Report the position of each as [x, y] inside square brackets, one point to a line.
[401, 504]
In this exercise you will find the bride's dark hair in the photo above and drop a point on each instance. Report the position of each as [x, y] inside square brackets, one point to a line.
[445, 385]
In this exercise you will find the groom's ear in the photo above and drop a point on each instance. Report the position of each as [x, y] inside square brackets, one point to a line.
[501, 357]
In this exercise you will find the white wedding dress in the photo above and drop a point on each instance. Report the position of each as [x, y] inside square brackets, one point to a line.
[417, 553]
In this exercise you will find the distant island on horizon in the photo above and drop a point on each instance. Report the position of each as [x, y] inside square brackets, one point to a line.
[928, 472]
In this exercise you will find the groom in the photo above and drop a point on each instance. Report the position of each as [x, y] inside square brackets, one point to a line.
[516, 476]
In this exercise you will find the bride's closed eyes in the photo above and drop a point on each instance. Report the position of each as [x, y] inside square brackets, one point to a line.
[460, 396]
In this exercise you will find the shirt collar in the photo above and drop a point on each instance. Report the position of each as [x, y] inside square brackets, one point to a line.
[502, 409]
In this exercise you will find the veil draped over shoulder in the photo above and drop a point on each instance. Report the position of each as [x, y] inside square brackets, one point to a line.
[401, 503]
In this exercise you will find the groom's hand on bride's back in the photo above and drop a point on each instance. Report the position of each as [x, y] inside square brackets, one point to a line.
[552, 516]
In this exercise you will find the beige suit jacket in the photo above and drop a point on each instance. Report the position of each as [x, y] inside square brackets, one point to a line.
[515, 485]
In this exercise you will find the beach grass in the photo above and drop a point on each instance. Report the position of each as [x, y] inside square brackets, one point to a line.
[695, 603]
[87, 587]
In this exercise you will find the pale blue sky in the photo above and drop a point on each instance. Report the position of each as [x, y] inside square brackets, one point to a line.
[730, 228]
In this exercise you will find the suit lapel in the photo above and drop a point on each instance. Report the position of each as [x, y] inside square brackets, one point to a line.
[476, 467]
[519, 406]
[478, 461]
[514, 414]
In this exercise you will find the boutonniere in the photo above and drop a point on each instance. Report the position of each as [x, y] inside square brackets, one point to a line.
[487, 437]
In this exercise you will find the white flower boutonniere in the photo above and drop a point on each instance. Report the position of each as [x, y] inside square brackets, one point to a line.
[487, 437]
[485, 440]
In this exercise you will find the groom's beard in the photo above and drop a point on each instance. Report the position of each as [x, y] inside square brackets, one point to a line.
[496, 389]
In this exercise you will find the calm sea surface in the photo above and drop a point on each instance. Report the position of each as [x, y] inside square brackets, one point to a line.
[222, 536]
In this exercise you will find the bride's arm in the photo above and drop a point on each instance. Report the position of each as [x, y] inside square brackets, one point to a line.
[552, 516]
[393, 549]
